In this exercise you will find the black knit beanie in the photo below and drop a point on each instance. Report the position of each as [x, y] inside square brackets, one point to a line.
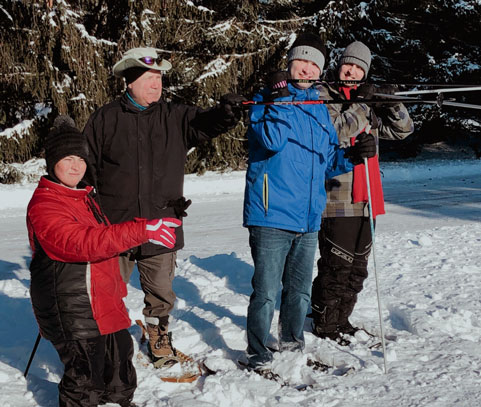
[64, 139]
[133, 74]
[308, 46]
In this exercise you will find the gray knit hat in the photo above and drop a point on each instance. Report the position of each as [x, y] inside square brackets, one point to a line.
[308, 46]
[359, 54]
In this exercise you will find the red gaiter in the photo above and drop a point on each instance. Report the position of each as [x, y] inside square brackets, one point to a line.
[359, 189]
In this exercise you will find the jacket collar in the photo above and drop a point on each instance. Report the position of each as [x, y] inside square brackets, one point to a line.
[62, 190]
[127, 104]
[303, 94]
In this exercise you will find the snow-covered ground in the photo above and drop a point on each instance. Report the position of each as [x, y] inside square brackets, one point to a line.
[427, 256]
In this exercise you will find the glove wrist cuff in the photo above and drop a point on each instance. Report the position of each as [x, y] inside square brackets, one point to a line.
[280, 85]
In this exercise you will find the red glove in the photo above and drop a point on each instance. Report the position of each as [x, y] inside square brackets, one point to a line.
[161, 231]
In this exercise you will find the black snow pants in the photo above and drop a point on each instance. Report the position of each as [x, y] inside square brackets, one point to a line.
[344, 245]
[97, 370]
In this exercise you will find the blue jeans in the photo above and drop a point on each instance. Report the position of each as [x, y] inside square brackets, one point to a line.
[286, 257]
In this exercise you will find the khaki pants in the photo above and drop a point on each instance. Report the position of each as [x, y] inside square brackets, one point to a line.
[156, 276]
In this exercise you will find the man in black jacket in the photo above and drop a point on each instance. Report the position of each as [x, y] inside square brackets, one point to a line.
[138, 147]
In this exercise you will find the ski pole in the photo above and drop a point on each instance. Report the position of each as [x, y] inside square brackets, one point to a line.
[341, 82]
[380, 99]
[387, 99]
[371, 221]
[445, 90]
[32, 355]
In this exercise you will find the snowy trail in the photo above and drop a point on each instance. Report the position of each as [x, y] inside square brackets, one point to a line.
[443, 201]
[434, 201]
[427, 256]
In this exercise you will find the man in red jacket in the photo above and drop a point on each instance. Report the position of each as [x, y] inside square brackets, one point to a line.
[138, 148]
[76, 288]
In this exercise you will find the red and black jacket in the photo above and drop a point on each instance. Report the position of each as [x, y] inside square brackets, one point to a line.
[76, 288]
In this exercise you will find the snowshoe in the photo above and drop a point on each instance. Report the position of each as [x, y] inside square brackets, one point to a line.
[317, 365]
[263, 371]
[335, 336]
[174, 365]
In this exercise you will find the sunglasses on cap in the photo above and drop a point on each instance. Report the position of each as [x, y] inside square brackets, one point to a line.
[151, 60]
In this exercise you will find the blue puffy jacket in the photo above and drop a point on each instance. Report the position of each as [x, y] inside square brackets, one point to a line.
[292, 149]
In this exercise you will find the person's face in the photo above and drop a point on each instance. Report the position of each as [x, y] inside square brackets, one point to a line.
[302, 69]
[350, 72]
[147, 88]
[70, 170]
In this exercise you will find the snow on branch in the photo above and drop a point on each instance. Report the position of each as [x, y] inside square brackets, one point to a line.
[24, 126]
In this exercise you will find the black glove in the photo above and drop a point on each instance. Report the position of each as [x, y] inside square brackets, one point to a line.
[277, 83]
[232, 108]
[388, 89]
[179, 205]
[365, 91]
[365, 147]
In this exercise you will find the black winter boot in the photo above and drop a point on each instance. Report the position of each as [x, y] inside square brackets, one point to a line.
[346, 307]
[325, 318]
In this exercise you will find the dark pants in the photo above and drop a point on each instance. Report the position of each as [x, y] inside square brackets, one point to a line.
[156, 277]
[344, 245]
[97, 370]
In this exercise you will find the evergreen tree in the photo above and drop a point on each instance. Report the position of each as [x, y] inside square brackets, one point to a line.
[56, 57]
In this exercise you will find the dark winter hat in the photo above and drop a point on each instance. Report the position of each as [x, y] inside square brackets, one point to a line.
[63, 140]
[144, 57]
[132, 74]
[359, 54]
[308, 46]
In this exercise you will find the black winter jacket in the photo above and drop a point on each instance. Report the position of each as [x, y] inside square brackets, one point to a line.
[137, 157]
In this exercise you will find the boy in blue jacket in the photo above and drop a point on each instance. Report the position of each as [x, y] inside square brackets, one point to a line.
[292, 150]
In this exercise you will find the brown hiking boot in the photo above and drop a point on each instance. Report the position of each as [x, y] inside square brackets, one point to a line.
[160, 342]
[160, 348]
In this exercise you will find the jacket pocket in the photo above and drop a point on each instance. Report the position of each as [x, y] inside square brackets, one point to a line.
[265, 193]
